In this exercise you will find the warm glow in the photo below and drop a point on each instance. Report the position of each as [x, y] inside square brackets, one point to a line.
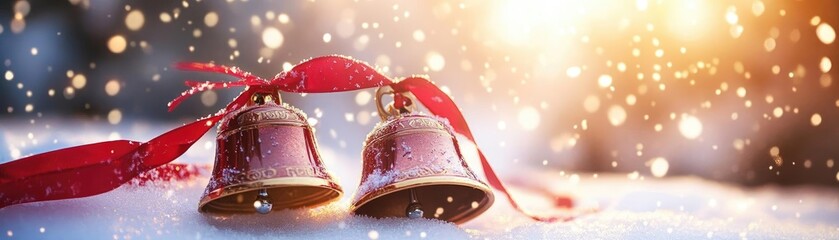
[616, 115]
[659, 167]
[816, 119]
[591, 103]
[825, 65]
[690, 127]
[79, 81]
[826, 33]
[435, 61]
[529, 118]
[211, 19]
[604, 81]
[135, 20]
[272, 38]
[117, 44]
[112, 87]
[114, 116]
[520, 24]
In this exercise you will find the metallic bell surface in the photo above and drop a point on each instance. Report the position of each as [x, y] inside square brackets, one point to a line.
[268, 147]
[418, 153]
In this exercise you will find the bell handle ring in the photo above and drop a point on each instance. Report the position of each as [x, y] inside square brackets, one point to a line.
[262, 97]
[388, 111]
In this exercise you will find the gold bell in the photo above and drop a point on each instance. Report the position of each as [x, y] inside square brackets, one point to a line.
[267, 159]
[412, 167]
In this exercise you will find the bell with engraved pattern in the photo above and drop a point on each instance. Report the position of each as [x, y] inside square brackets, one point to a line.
[413, 167]
[267, 159]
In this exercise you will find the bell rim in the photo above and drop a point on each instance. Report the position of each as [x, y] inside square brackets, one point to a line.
[273, 183]
[427, 181]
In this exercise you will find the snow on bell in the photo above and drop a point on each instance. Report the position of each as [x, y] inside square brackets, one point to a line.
[267, 159]
[412, 167]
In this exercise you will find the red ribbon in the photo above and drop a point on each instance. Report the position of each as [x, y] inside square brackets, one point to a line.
[96, 168]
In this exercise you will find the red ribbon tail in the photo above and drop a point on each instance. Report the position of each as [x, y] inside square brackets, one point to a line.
[92, 169]
[211, 67]
[244, 79]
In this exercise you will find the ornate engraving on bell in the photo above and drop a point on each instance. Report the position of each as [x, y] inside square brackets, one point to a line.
[267, 147]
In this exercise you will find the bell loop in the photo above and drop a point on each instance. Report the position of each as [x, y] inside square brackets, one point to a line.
[403, 102]
[261, 98]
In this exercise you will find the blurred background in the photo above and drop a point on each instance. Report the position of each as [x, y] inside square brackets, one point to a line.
[737, 91]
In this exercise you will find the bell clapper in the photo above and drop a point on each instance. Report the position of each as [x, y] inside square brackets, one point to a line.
[262, 204]
[414, 210]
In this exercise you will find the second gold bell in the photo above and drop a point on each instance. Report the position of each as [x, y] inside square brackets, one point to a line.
[413, 167]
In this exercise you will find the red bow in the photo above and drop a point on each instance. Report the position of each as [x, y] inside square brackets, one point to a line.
[96, 168]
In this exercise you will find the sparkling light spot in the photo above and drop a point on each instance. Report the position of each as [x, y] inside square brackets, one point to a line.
[741, 92]
[736, 30]
[825, 33]
[641, 5]
[435, 61]
[659, 167]
[272, 38]
[529, 118]
[79, 81]
[209, 98]
[769, 44]
[211, 19]
[778, 112]
[631, 100]
[825, 65]
[419, 35]
[758, 8]
[731, 17]
[9, 75]
[690, 127]
[739, 144]
[616, 115]
[815, 20]
[573, 72]
[165, 17]
[283, 18]
[591, 103]
[604, 81]
[135, 20]
[775, 152]
[114, 116]
[117, 44]
[816, 119]
[373, 234]
[327, 37]
[33, 51]
[363, 97]
[112, 87]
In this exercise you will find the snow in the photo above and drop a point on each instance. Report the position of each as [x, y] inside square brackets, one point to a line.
[635, 208]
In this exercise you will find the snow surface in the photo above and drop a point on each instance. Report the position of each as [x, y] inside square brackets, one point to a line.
[629, 207]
